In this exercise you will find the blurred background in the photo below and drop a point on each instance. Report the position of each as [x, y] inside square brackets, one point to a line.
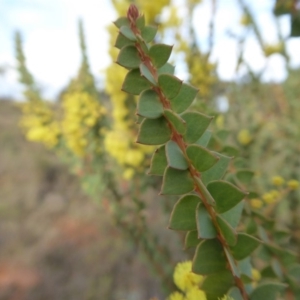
[66, 213]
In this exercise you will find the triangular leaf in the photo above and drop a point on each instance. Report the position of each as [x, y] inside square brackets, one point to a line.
[227, 231]
[147, 74]
[245, 245]
[217, 171]
[184, 99]
[234, 268]
[205, 226]
[183, 216]
[223, 134]
[160, 54]
[267, 290]
[178, 123]
[294, 271]
[128, 57]
[134, 83]
[244, 176]
[154, 132]
[169, 84]
[122, 21]
[148, 33]
[216, 285]
[191, 239]
[225, 194]
[196, 125]
[175, 156]
[140, 22]
[233, 216]
[122, 41]
[177, 182]
[201, 158]
[166, 69]
[235, 294]
[287, 257]
[204, 139]
[209, 258]
[246, 268]
[128, 33]
[230, 150]
[149, 105]
[158, 162]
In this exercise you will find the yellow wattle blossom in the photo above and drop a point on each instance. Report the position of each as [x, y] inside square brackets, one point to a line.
[202, 73]
[195, 294]
[39, 123]
[244, 137]
[184, 278]
[176, 296]
[256, 203]
[255, 274]
[151, 8]
[194, 2]
[188, 282]
[128, 173]
[245, 20]
[275, 193]
[81, 114]
[277, 180]
[220, 121]
[269, 198]
[272, 49]
[293, 184]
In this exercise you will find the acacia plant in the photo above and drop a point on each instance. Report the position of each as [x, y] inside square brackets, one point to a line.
[211, 210]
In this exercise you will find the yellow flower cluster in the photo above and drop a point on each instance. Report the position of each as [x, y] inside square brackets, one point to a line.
[245, 20]
[274, 196]
[151, 8]
[293, 184]
[39, 123]
[277, 180]
[244, 137]
[256, 276]
[272, 49]
[202, 73]
[188, 282]
[81, 114]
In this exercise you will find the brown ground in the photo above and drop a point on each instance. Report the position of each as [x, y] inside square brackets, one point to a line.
[55, 242]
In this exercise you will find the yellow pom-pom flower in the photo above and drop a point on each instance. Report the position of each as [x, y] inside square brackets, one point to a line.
[256, 203]
[255, 274]
[195, 294]
[293, 184]
[244, 137]
[176, 296]
[269, 198]
[39, 123]
[277, 180]
[184, 278]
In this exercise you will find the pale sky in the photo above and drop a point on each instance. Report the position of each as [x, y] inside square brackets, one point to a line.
[50, 39]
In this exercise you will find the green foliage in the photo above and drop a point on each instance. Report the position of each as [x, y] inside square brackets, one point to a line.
[211, 207]
[233, 231]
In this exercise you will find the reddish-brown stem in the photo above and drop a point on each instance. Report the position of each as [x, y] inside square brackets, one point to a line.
[177, 137]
